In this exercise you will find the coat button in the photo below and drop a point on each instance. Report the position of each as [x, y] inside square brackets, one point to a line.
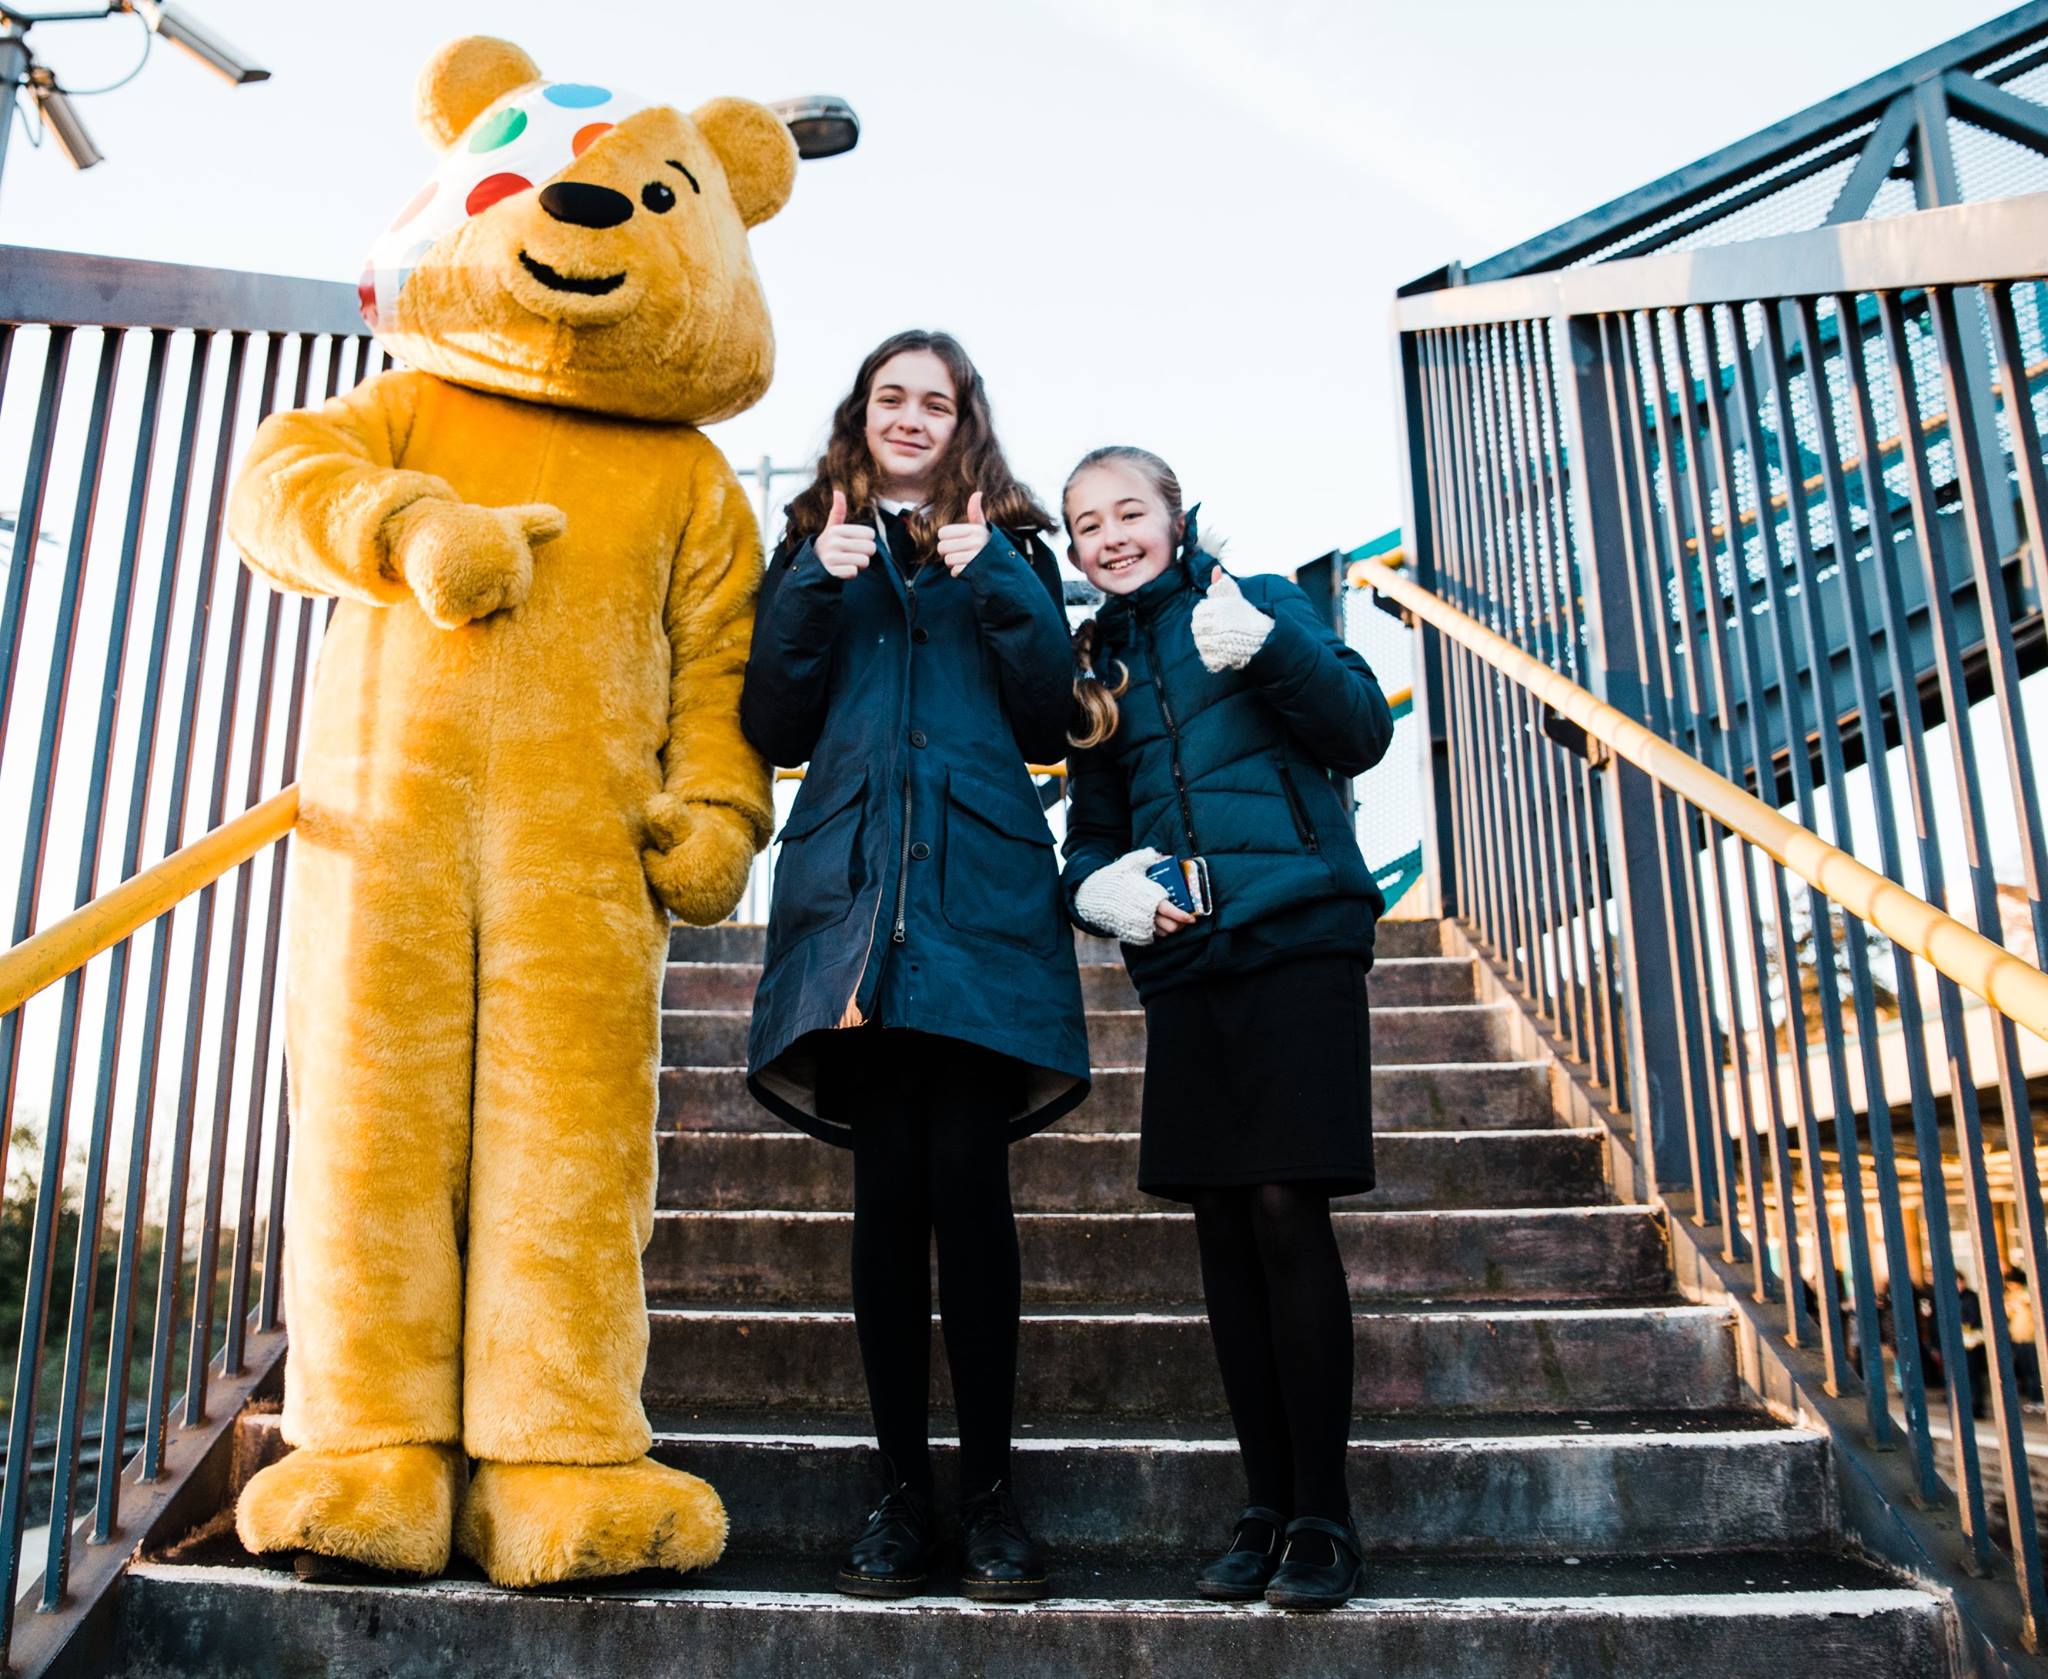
[920, 635]
[920, 851]
[917, 737]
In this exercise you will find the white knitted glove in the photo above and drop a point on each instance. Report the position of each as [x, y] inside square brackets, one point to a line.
[1228, 628]
[1120, 900]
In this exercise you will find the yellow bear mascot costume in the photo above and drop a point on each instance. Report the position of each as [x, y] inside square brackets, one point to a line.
[524, 741]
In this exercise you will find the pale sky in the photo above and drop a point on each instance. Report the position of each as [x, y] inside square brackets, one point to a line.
[1175, 223]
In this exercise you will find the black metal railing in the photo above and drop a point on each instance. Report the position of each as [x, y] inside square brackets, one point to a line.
[148, 1169]
[1755, 497]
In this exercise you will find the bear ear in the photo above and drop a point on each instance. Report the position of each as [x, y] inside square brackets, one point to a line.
[758, 151]
[461, 80]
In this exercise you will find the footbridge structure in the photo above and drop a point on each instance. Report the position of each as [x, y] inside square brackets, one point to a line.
[1699, 1308]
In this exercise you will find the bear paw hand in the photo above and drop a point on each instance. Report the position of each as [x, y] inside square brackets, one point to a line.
[464, 562]
[699, 857]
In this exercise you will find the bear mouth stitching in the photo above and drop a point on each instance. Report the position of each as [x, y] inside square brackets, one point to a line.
[569, 282]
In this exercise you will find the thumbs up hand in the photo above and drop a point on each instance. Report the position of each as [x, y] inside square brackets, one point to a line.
[958, 544]
[843, 549]
[1227, 628]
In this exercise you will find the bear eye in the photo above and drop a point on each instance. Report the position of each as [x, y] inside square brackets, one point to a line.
[658, 197]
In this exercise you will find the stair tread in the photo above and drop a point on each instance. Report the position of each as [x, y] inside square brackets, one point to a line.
[1803, 1582]
[1548, 1311]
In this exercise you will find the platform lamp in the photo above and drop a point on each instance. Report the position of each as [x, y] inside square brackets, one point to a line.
[19, 69]
[823, 124]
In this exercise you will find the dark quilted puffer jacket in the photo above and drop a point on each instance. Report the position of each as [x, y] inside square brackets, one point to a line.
[1233, 766]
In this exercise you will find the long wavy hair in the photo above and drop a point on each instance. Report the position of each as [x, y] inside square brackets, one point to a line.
[1096, 713]
[973, 459]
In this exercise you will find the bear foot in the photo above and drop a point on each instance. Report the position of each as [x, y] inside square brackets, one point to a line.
[390, 1508]
[535, 1524]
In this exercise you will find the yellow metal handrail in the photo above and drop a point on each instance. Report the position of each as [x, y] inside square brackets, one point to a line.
[2017, 989]
[64, 946]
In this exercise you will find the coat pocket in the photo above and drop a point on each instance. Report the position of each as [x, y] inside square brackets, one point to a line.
[999, 880]
[817, 865]
[1304, 828]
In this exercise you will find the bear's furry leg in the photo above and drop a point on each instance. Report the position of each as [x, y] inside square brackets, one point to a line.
[536, 1524]
[392, 1507]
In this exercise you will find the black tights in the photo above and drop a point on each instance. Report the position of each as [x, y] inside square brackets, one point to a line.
[930, 1158]
[1280, 1310]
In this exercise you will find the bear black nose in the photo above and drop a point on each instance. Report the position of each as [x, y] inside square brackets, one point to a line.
[582, 205]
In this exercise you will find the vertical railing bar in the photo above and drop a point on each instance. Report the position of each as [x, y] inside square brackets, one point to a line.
[1606, 1032]
[1812, 623]
[1934, 1206]
[1972, 483]
[1713, 1173]
[1556, 585]
[232, 1351]
[1948, 1002]
[1447, 348]
[1748, 404]
[1506, 697]
[1499, 846]
[2006, 1414]
[92, 1193]
[157, 1416]
[245, 1230]
[1721, 462]
[35, 1312]
[198, 1356]
[1553, 858]
[1491, 847]
[2033, 489]
[2026, 435]
[1553, 585]
[1448, 537]
[28, 532]
[114, 1415]
[1517, 618]
[7, 332]
[1688, 711]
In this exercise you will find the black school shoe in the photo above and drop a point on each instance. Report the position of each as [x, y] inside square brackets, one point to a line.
[1330, 1584]
[893, 1553]
[1240, 1574]
[1001, 1562]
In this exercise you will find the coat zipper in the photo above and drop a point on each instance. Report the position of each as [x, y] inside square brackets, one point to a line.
[1180, 781]
[903, 861]
[1302, 826]
[852, 1016]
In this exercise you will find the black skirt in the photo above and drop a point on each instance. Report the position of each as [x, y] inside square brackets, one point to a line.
[1260, 1078]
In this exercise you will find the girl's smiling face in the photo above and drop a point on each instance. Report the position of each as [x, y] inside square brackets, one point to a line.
[1123, 535]
[912, 410]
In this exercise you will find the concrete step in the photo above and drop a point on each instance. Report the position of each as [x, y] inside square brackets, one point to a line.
[1401, 982]
[1649, 1617]
[1441, 1096]
[1513, 1486]
[1144, 1259]
[1066, 1172]
[1464, 1032]
[740, 941]
[1163, 1364]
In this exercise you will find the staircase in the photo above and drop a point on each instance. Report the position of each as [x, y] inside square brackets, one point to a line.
[1555, 1465]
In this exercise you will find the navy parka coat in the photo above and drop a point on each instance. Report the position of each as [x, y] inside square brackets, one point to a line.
[917, 883]
[1229, 765]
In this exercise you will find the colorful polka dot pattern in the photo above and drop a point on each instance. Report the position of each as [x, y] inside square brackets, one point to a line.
[521, 142]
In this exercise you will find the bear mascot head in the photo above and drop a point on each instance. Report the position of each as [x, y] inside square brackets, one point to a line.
[582, 245]
[522, 752]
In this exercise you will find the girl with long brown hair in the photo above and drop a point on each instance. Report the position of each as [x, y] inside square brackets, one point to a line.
[919, 1002]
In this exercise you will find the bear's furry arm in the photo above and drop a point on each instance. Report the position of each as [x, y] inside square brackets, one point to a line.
[314, 508]
[710, 622]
